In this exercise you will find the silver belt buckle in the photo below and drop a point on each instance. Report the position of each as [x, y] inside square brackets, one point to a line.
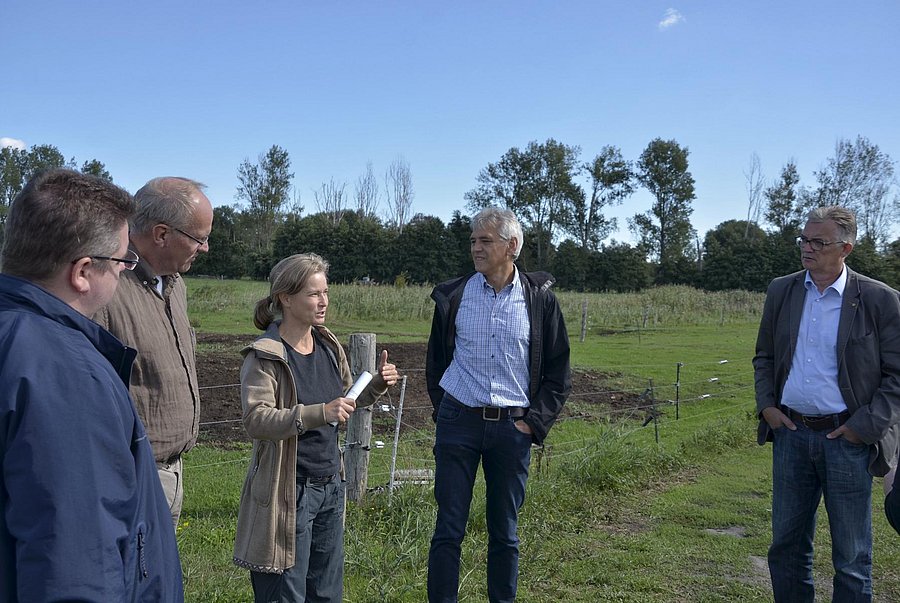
[486, 413]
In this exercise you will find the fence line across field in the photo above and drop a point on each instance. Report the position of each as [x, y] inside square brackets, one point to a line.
[416, 468]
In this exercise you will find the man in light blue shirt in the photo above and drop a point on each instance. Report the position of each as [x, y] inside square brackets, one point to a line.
[498, 375]
[812, 386]
[827, 371]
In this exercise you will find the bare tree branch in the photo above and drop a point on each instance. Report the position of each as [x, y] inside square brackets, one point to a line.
[330, 200]
[399, 191]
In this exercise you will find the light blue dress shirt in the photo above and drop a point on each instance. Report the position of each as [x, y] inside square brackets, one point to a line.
[490, 360]
[812, 384]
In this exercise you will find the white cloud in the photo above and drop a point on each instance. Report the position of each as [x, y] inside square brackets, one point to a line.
[12, 142]
[671, 18]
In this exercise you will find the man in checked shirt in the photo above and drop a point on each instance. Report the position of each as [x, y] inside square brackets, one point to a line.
[498, 375]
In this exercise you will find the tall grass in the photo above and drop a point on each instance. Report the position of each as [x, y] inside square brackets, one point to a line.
[227, 306]
[671, 305]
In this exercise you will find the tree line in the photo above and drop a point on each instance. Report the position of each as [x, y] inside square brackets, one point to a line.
[369, 232]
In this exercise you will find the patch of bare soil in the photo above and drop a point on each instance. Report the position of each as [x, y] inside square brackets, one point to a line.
[218, 371]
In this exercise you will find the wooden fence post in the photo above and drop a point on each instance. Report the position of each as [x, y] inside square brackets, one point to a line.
[584, 307]
[359, 427]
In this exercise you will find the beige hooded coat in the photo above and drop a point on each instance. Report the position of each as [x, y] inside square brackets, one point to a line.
[267, 516]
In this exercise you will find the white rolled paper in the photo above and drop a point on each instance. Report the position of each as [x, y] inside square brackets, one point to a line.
[361, 382]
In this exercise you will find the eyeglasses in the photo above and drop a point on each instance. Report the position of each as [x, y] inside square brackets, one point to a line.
[130, 262]
[200, 242]
[816, 244]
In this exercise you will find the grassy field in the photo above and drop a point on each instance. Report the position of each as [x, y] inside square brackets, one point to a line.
[676, 510]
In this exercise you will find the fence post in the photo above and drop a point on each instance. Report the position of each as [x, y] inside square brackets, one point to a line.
[678, 366]
[584, 307]
[359, 427]
[396, 438]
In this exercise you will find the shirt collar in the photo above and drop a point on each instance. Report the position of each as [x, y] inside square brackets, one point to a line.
[515, 280]
[838, 285]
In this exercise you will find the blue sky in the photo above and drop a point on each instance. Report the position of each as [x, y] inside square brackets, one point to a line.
[194, 88]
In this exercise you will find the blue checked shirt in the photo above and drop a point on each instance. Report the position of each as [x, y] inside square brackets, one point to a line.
[812, 383]
[490, 361]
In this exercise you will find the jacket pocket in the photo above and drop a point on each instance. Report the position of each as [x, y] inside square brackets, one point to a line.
[141, 572]
[261, 480]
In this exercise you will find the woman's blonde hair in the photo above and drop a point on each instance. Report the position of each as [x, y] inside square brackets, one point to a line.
[287, 277]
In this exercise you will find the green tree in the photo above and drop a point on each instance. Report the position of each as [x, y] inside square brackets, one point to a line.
[459, 249]
[227, 256]
[892, 264]
[536, 184]
[17, 166]
[866, 259]
[421, 250]
[12, 178]
[571, 266]
[783, 253]
[622, 268]
[96, 168]
[860, 177]
[612, 180]
[665, 230]
[44, 156]
[784, 208]
[265, 187]
[355, 247]
[733, 261]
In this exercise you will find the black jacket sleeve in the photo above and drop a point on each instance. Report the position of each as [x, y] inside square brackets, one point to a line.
[556, 377]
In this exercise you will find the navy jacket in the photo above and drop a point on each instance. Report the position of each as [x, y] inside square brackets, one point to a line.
[550, 379]
[82, 513]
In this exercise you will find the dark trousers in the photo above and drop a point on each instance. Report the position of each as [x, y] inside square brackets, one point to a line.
[464, 439]
[806, 465]
[318, 572]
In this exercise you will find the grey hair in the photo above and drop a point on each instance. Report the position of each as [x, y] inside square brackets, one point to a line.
[167, 200]
[504, 222]
[841, 216]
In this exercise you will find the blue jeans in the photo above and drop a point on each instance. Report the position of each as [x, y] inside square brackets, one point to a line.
[318, 572]
[804, 466]
[463, 439]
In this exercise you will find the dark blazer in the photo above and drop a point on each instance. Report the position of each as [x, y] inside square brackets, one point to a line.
[868, 356]
[892, 504]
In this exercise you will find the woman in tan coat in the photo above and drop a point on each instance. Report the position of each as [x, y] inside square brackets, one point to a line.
[293, 384]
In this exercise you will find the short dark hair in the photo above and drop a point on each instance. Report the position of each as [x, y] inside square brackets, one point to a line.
[59, 216]
[167, 200]
[841, 216]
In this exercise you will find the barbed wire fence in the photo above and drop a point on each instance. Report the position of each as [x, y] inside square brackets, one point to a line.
[400, 447]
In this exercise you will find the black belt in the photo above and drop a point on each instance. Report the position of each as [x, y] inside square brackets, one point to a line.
[315, 481]
[817, 422]
[496, 413]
